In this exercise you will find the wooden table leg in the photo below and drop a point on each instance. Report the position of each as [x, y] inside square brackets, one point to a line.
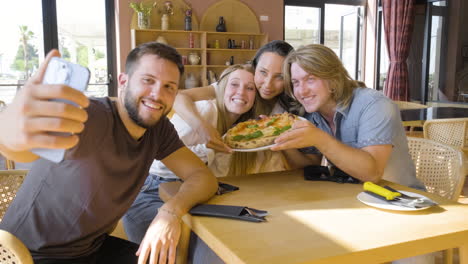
[182, 247]
[464, 254]
[448, 256]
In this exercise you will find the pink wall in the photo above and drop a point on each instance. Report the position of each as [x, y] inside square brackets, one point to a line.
[271, 8]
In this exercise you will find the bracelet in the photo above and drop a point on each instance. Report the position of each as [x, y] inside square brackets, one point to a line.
[169, 212]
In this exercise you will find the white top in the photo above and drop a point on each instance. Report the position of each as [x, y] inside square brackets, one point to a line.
[218, 162]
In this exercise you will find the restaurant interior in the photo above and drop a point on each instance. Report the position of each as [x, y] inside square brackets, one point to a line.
[414, 51]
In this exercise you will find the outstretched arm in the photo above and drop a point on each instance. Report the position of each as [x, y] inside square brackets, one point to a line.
[199, 184]
[366, 164]
[184, 106]
[28, 119]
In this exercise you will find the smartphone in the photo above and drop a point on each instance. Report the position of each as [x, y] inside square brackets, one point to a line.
[60, 71]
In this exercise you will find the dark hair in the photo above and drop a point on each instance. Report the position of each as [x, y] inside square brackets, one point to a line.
[154, 48]
[279, 47]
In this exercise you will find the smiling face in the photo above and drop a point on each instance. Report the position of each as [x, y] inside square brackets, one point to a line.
[313, 93]
[149, 92]
[239, 95]
[269, 75]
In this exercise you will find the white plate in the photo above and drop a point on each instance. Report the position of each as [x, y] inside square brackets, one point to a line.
[259, 148]
[254, 149]
[376, 202]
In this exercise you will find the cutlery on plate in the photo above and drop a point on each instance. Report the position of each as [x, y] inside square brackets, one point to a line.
[395, 197]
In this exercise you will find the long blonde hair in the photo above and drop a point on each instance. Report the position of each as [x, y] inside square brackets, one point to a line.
[241, 162]
[323, 63]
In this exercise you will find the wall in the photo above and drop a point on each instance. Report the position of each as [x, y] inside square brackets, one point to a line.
[271, 8]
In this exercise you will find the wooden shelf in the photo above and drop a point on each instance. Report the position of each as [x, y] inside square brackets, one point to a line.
[212, 59]
[217, 66]
[232, 50]
[189, 49]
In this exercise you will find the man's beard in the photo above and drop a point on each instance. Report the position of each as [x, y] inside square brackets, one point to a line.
[131, 105]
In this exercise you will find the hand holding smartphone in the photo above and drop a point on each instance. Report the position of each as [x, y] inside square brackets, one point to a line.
[60, 71]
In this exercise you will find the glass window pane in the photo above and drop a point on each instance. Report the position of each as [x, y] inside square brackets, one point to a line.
[436, 92]
[384, 59]
[82, 39]
[22, 45]
[302, 25]
[341, 33]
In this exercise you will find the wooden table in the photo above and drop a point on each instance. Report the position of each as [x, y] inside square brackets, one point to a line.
[323, 222]
[433, 113]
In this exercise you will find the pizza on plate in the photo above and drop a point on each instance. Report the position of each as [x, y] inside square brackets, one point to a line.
[255, 133]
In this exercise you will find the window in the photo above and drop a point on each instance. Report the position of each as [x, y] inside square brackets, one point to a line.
[22, 47]
[35, 27]
[427, 54]
[334, 23]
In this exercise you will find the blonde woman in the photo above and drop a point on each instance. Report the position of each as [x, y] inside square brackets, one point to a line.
[267, 62]
[235, 99]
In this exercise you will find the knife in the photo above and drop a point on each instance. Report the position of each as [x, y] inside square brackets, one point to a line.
[394, 197]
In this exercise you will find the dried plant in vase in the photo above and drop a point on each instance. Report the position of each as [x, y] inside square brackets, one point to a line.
[167, 9]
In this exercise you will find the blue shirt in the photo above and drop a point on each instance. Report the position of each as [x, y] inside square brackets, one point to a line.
[372, 119]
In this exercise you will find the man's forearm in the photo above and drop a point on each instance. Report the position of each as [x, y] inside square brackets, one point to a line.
[355, 162]
[298, 160]
[196, 189]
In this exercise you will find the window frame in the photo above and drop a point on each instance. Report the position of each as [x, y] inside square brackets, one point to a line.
[321, 5]
[49, 16]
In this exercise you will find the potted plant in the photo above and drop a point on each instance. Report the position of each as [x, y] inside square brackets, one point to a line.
[144, 14]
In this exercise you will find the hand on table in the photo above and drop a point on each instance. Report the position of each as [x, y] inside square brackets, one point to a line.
[26, 121]
[303, 134]
[161, 239]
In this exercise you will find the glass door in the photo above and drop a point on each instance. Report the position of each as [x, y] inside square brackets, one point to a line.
[350, 46]
[436, 46]
[337, 26]
[302, 25]
[82, 40]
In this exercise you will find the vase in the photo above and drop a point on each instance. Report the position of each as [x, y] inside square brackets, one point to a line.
[188, 23]
[221, 27]
[191, 81]
[144, 20]
[162, 40]
[193, 58]
[165, 22]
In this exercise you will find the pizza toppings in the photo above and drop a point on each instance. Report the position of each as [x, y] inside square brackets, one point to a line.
[256, 133]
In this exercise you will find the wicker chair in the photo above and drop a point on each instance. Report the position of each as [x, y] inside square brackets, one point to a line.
[403, 105]
[439, 166]
[452, 132]
[12, 250]
[10, 181]
[8, 164]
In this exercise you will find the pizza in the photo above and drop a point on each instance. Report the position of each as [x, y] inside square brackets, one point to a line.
[255, 133]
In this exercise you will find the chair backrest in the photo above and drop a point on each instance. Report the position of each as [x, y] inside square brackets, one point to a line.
[439, 166]
[12, 250]
[409, 105]
[10, 181]
[452, 132]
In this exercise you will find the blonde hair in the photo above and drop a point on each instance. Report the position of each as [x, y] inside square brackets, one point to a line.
[241, 162]
[323, 63]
